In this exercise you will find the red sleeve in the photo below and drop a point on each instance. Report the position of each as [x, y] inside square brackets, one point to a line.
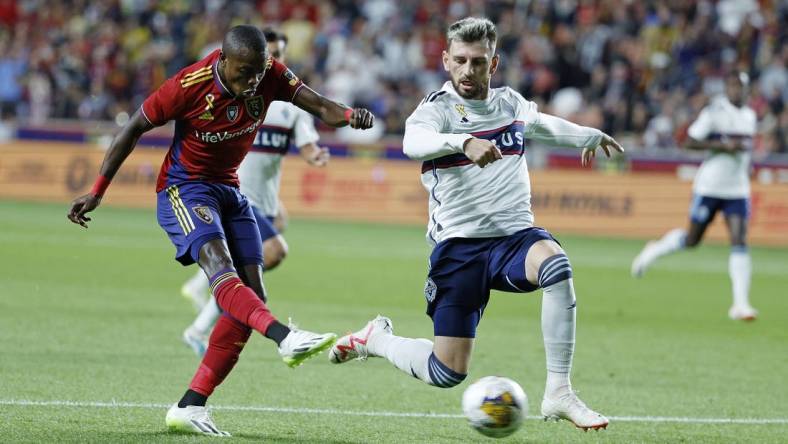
[166, 103]
[287, 84]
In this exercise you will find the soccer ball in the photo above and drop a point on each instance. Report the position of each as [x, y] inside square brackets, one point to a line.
[495, 406]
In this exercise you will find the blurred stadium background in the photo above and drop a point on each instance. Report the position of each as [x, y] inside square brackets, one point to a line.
[72, 71]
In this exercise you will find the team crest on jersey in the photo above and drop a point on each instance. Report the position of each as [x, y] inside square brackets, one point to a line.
[461, 110]
[291, 78]
[254, 106]
[232, 113]
[204, 213]
[429, 290]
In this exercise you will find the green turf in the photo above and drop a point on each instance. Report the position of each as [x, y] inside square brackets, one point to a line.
[95, 316]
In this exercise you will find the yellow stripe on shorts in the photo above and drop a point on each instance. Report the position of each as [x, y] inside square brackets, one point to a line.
[186, 223]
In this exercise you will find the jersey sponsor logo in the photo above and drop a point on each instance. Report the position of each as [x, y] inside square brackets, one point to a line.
[291, 78]
[201, 75]
[430, 289]
[461, 111]
[232, 113]
[211, 137]
[204, 213]
[277, 139]
[254, 106]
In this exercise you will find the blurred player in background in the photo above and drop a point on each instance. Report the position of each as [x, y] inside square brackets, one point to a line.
[260, 174]
[218, 104]
[725, 128]
[471, 140]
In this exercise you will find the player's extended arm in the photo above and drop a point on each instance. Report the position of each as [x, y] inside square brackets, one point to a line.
[556, 131]
[120, 148]
[725, 144]
[314, 155]
[332, 113]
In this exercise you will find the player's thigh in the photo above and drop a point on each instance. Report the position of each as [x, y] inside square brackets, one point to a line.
[243, 232]
[737, 215]
[702, 212]
[454, 353]
[190, 216]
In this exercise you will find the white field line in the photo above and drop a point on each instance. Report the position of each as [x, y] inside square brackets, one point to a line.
[335, 412]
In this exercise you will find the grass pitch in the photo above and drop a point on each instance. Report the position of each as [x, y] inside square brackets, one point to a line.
[90, 322]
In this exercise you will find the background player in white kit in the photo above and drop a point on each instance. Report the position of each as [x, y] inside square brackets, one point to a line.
[260, 174]
[472, 140]
[725, 128]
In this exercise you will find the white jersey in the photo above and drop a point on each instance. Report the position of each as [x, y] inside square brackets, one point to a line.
[465, 200]
[260, 171]
[724, 175]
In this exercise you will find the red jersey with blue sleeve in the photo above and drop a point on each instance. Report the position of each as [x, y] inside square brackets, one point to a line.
[213, 129]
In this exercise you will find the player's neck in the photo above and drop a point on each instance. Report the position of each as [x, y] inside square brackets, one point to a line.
[222, 77]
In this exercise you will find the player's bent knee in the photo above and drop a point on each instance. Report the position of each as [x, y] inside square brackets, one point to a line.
[441, 375]
[554, 269]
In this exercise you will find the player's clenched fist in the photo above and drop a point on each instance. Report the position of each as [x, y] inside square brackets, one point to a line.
[361, 118]
[481, 152]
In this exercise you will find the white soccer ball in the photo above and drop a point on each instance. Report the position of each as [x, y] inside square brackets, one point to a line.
[495, 406]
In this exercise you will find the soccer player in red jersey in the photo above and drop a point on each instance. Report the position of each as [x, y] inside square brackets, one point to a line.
[218, 104]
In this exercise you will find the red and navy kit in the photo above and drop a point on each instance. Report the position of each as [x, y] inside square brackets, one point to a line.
[197, 190]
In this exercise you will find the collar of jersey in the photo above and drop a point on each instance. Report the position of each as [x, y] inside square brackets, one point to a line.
[476, 104]
[218, 81]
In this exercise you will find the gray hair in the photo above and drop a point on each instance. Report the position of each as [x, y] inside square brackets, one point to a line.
[472, 29]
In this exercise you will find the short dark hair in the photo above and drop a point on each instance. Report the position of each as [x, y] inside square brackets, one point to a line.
[244, 37]
[472, 29]
[272, 35]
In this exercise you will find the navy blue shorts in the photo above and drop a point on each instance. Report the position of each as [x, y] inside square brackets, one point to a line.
[265, 224]
[463, 271]
[704, 208]
[194, 213]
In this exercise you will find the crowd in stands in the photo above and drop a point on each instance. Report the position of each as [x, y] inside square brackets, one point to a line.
[640, 70]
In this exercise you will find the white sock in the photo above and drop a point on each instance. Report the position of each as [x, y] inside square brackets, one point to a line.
[207, 317]
[558, 330]
[740, 269]
[407, 354]
[671, 242]
[198, 283]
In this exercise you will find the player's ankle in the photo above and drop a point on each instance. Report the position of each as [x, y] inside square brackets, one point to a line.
[557, 384]
[192, 398]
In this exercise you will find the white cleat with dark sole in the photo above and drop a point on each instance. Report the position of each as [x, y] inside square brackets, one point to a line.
[192, 419]
[742, 313]
[642, 261]
[572, 409]
[300, 345]
[354, 345]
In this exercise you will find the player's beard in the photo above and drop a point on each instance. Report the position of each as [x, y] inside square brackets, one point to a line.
[474, 93]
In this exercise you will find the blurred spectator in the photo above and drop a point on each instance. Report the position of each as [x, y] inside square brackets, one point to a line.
[633, 68]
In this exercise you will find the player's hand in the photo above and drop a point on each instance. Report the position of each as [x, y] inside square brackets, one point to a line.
[81, 206]
[361, 118]
[481, 152]
[608, 144]
[318, 156]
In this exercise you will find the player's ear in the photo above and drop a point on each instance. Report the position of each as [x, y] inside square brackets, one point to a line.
[445, 60]
[494, 64]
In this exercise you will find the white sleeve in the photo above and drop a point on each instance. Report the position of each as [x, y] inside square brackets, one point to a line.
[556, 131]
[424, 139]
[304, 131]
[701, 127]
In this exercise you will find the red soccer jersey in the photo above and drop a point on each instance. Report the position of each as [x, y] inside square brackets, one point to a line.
[213, 129]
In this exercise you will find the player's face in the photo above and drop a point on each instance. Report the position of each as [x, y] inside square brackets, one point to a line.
[277, 50]
[243, 72]
[470, 65]
[734, 90]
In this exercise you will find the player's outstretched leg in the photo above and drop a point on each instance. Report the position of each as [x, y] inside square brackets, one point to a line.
[558, 328]
[196, 290]
[413, 356]
[671, 242]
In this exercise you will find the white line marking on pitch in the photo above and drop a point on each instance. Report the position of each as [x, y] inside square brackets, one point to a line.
[305, 410]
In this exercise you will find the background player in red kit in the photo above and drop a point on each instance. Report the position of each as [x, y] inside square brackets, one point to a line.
[218, 104]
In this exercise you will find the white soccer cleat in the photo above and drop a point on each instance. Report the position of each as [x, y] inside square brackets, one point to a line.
[300, 345]
[742, 313]
[197, 341]
[569, 407]
[355, 345]
[642, 261]
[192, 419]
[197, 296]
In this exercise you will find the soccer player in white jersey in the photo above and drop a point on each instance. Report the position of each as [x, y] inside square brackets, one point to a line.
[260, 174]
[471, 140]
[725, 128]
